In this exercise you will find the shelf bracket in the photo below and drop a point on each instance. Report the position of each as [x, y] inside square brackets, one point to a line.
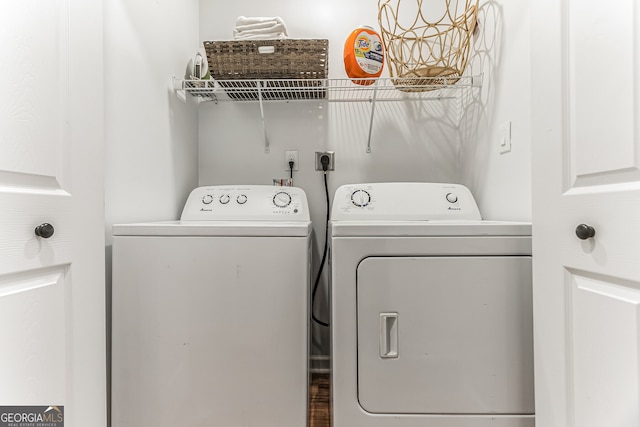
[264, 123]
[178, 87]
[373, 110]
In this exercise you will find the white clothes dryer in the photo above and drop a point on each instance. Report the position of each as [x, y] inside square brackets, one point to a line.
[210, 313]
[431, 310]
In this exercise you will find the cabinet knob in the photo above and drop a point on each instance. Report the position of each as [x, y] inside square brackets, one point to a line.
[584, 231]
[45, 230]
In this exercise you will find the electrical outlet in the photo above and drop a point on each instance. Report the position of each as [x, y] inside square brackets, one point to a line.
[320, 155]
[291, 155]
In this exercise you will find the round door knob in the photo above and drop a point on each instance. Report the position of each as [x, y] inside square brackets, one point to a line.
[584, 231]
[45, 230]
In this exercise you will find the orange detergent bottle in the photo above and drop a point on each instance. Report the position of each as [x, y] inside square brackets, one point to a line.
[363, 55]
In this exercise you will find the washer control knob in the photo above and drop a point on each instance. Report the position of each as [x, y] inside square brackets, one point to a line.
[282, 199]
[224, 199]
[451, 198]
[241, 199]
[207, 199]
[360, 198]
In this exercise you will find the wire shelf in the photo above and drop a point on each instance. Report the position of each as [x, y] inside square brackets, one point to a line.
[369, 90]
[332, 90]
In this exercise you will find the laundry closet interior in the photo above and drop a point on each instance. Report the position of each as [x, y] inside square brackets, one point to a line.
[161, 143]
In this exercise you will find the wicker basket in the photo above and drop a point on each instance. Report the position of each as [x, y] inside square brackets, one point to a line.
[297, 67]
[430, 46]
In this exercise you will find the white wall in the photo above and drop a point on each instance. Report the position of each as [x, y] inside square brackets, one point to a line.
[151, 136]
[501, 183]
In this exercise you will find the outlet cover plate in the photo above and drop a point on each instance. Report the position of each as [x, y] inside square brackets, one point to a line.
[291, 155]
[331, 165]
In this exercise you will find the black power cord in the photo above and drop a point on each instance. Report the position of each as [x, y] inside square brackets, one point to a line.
[291, 162]
[324, 160]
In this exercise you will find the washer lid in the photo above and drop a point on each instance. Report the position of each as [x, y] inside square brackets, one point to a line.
[429, 228]
[216, 228]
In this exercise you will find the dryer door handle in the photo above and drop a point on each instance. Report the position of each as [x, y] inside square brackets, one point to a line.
[389, 335]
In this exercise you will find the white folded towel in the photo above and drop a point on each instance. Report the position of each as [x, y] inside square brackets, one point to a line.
[243, 20]
[268, 36]
[259, 28]
[276, 29]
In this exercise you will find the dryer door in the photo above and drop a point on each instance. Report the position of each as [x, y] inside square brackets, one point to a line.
[445, 335]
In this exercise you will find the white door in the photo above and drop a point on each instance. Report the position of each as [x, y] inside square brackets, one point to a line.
[52, 314]
[586, 154]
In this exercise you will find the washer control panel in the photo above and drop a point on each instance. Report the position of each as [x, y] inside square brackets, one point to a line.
[404, 201]
[246, 202]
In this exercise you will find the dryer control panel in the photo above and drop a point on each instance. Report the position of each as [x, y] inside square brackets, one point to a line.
[246, 202]
[404, 201]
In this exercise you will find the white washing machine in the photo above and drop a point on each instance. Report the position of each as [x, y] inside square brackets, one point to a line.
[431, 310]
[210, 313]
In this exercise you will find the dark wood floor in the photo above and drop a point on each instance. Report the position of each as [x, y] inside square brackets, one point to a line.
[319, 401]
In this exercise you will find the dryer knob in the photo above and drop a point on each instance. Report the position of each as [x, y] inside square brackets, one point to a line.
[360, 198]
[241, 199]
[224, 199]
[207, 199]
[451, 198]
